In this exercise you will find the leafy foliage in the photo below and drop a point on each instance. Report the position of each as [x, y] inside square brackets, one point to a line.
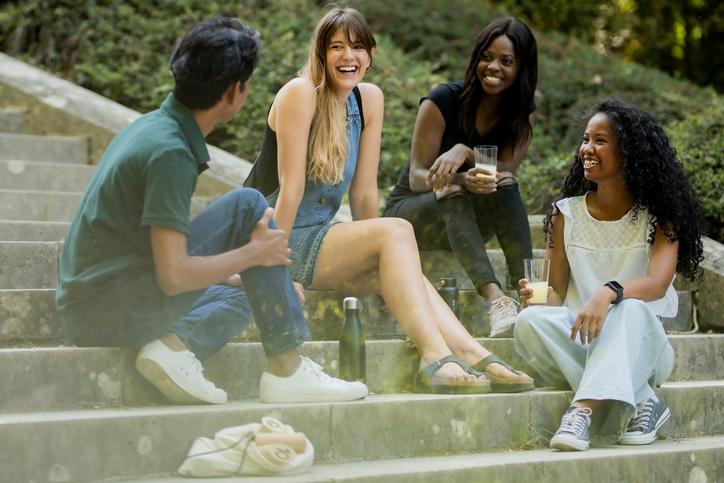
[120, 49]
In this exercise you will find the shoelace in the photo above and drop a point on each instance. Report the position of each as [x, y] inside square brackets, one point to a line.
[198, 369]
[644, 410]
[505, 306]
[317, 370]
[575, 421]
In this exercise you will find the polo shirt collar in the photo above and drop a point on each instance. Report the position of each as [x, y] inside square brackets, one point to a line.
[190, 128]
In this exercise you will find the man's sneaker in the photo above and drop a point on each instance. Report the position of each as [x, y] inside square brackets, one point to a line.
[503, 312]
[178, 375]
[650, 416]
[308, 384]
[572, 435]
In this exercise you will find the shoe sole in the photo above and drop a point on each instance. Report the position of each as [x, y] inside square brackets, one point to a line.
[444, 389]
[504, 334]
[156, 375]
[567, 443]
[310, 398]
[648, 438]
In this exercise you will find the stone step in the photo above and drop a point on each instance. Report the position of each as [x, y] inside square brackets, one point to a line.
[39, 205]
[39, 379]
[28, 264]
[57, 149]
[436, 264]
[152, 440]
[36, 205]
[11, 120]
[693, 460]
[44, 176]
[29, 314]
[19, 230]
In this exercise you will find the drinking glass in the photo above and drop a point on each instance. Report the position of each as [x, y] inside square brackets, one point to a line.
[486, 157]
[536, 271]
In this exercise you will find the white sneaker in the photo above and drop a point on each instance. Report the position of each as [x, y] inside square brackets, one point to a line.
[178, 375]
[308, 384]
[503, 312]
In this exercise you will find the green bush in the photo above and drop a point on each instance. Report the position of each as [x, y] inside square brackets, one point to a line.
[699, 142]
[120, 49]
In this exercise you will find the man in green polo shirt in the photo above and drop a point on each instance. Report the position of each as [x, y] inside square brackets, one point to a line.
[135, 271]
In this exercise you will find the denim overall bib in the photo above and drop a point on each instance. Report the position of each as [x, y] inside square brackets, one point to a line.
[319, 204]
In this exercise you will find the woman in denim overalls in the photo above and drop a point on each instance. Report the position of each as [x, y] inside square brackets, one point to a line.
[325, 139]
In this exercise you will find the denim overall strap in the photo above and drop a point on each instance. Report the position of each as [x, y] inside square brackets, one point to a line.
[321, 201]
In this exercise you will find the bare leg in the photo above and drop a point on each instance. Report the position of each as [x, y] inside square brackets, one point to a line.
[356, 249]
[491, 291]
[592, 404]
[458, 339]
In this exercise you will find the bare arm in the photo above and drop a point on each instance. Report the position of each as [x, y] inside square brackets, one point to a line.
[363, 195]
[291, 118]
[560, 271]
[177, 272]
[659, 274]
[427, 170]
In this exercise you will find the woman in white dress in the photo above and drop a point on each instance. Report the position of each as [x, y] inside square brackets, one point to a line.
[626, 221]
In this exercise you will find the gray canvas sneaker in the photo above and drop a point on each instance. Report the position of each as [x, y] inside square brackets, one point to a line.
[503, 312]
[572, 435]
[650, 416]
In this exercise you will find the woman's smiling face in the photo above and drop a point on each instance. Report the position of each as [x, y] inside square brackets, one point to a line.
[347, 61]
[498, 66]
[599, 151]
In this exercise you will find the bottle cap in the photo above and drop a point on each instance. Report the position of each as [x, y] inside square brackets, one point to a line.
[350, 303]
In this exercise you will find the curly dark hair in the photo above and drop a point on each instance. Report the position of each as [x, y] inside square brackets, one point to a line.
[655, 178]
[516, 106]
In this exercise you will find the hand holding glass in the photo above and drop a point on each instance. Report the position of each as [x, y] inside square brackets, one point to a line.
[536, 272]
[486, 157]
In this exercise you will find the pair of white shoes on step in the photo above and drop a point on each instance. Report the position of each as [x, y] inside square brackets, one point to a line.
[180, 377]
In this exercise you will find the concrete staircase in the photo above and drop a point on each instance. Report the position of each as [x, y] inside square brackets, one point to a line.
[72, 414]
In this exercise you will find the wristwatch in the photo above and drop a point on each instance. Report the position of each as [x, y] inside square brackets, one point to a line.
[617, 289]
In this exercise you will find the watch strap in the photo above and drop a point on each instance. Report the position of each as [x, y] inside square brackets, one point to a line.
[617, 289]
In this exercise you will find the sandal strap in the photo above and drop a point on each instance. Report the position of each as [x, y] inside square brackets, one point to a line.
[432, 368]
[491, 359]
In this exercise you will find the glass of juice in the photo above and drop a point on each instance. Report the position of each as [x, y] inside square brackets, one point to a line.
[486, 157]
[536, 271]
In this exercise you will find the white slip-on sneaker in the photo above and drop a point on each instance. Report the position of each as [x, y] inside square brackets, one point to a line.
[178, 375]
[503, 312]
[308, 384]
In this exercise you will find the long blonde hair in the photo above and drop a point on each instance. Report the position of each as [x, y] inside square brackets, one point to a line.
[328, 137]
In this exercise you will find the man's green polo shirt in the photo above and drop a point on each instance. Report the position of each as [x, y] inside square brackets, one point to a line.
[146, 177]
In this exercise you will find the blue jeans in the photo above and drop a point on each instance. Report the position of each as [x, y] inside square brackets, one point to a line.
[207, 319]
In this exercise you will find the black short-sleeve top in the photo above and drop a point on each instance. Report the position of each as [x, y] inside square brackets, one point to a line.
[447, 98]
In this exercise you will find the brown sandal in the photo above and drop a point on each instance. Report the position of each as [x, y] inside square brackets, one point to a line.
[504, 384]
[427, 382]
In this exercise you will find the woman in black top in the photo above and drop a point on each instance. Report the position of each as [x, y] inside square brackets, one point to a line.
[439, 193]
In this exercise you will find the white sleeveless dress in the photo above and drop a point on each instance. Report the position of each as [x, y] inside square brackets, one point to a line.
[632, 353]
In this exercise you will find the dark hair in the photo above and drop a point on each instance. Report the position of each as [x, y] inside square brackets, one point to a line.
[212, 56]
[654, 177]
[518, 98]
